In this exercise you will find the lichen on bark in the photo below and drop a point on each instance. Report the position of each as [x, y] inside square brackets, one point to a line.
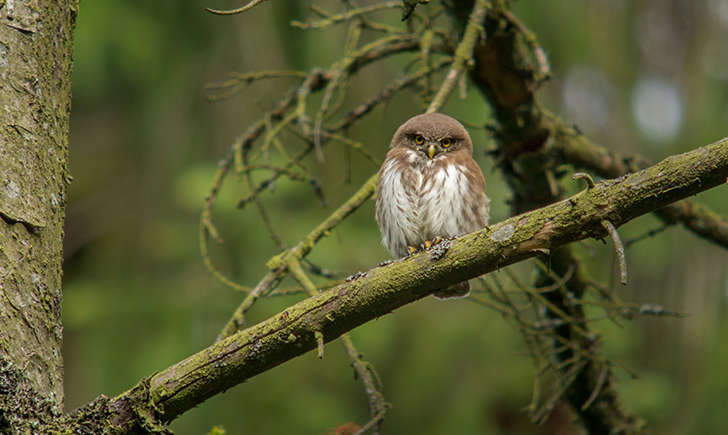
[35, 97]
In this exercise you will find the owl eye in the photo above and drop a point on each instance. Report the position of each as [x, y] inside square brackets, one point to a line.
[446, 142]
[419, 139]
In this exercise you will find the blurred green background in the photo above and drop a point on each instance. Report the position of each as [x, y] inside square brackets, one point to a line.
[649, 77]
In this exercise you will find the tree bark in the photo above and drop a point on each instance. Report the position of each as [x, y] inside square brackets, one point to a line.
[35, 97]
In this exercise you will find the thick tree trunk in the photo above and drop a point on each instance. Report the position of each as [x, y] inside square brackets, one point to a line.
[35, 98]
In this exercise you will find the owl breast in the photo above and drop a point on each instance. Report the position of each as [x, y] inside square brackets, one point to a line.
[419, 199]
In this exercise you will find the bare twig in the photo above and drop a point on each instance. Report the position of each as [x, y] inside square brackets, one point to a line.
[544, 70]
[238, 80]
[349, 14]
[239, 10]
[619, 249]
[600, 382]
[319, 343]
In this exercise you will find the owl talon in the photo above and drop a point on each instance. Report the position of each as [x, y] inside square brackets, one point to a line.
[427, 244]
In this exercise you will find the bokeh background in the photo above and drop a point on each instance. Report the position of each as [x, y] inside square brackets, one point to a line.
[643, 76]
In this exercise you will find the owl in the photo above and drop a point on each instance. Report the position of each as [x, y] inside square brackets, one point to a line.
[430, 188]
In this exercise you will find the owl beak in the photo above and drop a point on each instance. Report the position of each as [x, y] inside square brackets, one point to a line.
[431, 150]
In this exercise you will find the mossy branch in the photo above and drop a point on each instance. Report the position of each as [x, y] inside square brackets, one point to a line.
[172, 391]
[573, 147]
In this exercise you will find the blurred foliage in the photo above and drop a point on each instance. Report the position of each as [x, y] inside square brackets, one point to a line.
[144, 146]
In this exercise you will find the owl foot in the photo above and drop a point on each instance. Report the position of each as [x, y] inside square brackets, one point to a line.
[427, 244]
[355, 276]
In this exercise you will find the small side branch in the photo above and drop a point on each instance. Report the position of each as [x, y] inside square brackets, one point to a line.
[378, 406]
[239, 10]
[586, 177]
[619, 249]
[319, 344]
[346, 16]
[600, 382]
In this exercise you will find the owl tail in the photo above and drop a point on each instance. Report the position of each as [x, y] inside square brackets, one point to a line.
[455, 291]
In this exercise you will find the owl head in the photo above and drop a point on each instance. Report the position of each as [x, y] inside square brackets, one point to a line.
[433, 134]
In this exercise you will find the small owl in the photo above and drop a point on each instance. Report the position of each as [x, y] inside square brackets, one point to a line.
[430, 188]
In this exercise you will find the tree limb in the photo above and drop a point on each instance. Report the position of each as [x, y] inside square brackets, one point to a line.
[156, 401]
[573, 147]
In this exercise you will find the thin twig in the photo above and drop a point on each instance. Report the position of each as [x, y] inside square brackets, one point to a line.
[376, 420]
[319, 344]
[238, 80]
[239, 10]
[348, 15]
[595, 393]
[584, 176]
[619, 249]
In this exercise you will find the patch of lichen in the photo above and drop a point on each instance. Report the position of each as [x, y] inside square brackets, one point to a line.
[22, 409]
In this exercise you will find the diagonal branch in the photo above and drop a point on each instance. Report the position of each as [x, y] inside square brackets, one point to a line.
[169, 393]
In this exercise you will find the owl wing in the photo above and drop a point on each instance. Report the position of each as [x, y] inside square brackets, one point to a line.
[476, 205]
[396, 204]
